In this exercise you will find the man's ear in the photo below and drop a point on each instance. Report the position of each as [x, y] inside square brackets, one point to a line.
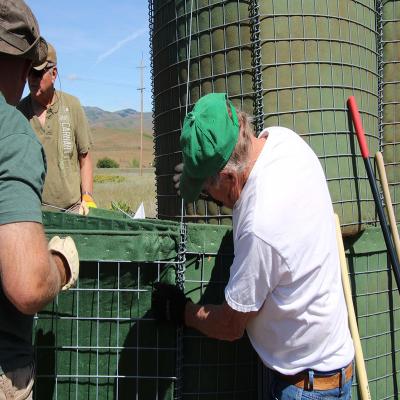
[228, 176]
[54, 73]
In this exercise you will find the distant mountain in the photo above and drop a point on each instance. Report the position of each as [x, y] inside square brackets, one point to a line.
[123, 119]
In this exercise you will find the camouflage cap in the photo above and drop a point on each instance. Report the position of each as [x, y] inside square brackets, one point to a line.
[19, 32]
[51, 59]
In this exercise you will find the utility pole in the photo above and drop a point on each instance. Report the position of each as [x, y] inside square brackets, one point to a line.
[141, 88]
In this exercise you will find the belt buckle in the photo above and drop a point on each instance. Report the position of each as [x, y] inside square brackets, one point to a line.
[310, 381]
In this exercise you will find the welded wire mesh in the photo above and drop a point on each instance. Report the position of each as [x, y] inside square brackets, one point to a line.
[301, 58]
[99, 340]
[207, 45]
[377, 305]
[390, 117]
[215, 369]
[315, 55]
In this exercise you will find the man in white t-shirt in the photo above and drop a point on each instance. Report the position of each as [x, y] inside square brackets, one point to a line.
[285, 284]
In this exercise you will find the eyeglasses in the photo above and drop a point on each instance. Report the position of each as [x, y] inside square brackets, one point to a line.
[204, 195]
[33, 73]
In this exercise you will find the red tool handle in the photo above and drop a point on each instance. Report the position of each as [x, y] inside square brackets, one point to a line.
[355, 116]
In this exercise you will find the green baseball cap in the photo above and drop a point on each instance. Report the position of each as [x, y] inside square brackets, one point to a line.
[208, 138]
[19, 32]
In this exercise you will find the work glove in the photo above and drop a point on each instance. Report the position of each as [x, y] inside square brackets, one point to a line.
[66, 248]
[168, 303]
[177, 177]
[83, 208]
[88, 199]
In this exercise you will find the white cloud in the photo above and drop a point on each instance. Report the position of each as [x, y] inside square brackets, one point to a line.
[121, 43]
[72, 77]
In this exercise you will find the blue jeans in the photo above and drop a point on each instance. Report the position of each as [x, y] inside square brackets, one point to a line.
[281, 390]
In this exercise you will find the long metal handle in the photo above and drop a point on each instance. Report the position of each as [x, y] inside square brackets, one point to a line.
[355, 115]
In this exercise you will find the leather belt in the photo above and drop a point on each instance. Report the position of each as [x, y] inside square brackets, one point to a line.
[320, 382]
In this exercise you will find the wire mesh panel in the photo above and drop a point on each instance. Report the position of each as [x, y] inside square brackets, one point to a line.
[315, 54]
[301, 59]
[99, 340]
[215, 369]
[377, 305]
[390, 117]
[198, 46]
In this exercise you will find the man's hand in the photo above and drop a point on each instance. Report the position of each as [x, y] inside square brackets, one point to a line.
[177, 177]
[67, 249]
[168, 303]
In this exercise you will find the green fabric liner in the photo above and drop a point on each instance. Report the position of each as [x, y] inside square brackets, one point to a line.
[122, 239]
[68, 331]
[118, 238]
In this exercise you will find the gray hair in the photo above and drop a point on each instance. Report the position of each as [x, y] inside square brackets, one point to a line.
[239, 159]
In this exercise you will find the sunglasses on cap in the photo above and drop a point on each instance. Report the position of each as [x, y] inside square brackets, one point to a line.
[39, 74]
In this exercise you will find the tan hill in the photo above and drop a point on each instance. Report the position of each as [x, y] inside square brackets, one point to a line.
[117, 135]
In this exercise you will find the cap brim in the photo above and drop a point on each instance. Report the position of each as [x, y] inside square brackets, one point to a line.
[40, 67]
[190, 188]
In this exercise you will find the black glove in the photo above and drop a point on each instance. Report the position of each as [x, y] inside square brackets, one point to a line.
[168, 303]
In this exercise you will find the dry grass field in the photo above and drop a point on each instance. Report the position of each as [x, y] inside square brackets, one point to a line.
[133, 189]
[122, 145]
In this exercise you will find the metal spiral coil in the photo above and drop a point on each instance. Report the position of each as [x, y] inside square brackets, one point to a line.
[254, 17]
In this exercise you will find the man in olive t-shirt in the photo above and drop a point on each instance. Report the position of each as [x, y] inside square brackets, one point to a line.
[61, 125]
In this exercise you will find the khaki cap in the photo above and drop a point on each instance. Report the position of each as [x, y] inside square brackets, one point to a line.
[51, 59]
[19, 32]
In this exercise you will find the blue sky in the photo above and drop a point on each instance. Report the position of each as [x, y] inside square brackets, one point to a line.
[99, 46]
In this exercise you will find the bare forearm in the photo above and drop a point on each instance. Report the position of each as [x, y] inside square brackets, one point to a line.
[30, 275]
[86, 166]
[216, 321]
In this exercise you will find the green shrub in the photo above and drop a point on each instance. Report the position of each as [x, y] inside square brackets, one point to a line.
[108, 179]
[107, 162]
[121, 205]
[134, 163]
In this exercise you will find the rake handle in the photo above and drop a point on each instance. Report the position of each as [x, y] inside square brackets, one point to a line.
[355, 115]
[359, 356]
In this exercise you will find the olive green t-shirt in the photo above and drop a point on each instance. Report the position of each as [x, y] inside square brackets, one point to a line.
[64, 136]
[22, 173]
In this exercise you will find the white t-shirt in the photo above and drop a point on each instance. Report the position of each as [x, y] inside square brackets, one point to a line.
[286, 263]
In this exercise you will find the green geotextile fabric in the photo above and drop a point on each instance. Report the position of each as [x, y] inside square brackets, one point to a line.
[314, 55]
[220, 61]
[391, 98]
[100, 339]
[116, 237]
[113, 236]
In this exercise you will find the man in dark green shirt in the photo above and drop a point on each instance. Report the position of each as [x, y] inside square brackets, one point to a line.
[32, 271]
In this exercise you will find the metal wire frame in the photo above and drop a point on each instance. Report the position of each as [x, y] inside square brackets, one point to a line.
[377, 306]
[98, 342]
[167, 136]
[322, 118]
[217, 369]
[389, 110]
[313, 59]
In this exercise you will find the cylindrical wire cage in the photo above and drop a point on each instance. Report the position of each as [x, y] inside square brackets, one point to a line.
[218, 59]
[301, 58]
[390, 116]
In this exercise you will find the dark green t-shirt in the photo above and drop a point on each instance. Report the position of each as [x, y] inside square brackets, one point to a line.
[65, 135]
[22, 173]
